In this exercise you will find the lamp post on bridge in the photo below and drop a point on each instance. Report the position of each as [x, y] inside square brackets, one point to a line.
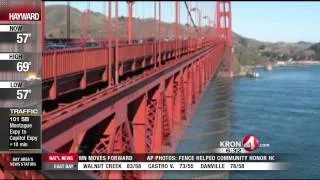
[211, 22]
[195, 9]
[208, 20]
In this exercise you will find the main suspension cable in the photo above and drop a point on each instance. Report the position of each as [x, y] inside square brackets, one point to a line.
[185, 3]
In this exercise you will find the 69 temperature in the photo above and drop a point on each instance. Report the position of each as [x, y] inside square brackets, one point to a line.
[23, 94]
[23, 66]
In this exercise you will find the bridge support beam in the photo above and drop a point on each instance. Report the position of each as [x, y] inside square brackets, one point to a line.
[189, 90]
[224, 32]
[130, 11]
[169, 104]
[158, 128]
[83, 82]
[53, 92]
[144, 115]
[106, 70]
[139, 108]
[77, 139]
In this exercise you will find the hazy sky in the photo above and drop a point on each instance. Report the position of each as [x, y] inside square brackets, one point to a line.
[266, 21]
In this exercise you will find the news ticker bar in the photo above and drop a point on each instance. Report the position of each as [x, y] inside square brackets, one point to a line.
[173, 166]
[221, 161]
[177, 157]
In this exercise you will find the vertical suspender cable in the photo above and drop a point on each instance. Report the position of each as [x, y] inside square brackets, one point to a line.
[68, 19]
[110, 79]
[159, 29]
[117, 44]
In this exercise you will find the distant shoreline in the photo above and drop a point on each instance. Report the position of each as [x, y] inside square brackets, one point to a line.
[305, 63]
[299, 64]
[244, 69]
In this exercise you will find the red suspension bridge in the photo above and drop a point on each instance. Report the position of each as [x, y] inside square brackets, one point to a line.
[151, 87]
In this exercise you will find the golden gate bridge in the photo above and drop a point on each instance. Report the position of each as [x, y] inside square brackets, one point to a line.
[150, 88]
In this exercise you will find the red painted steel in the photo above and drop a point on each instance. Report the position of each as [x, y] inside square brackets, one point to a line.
[62, 64]
[116, 76]
[145, 113]
[43, 24]
[110, 79]
[53, 117]
[177, 27]
[130, 11]
[158, 60]
[224, 29]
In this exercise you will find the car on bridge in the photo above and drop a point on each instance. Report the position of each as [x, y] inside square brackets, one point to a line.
[93, 44]
[57, 46]
[61, 47]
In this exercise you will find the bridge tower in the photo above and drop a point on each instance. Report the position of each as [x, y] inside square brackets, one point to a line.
[223, 26]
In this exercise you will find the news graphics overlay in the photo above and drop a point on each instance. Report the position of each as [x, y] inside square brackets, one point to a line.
[20, 84]
[163, 162]
[249, 144]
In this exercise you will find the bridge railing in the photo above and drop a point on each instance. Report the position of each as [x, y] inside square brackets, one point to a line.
[128, 52]
[96, 57]
[168, 46]
[64, 62]
[61, 63]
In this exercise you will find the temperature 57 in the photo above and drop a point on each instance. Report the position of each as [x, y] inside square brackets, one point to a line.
[23, 66]
[22, 38]
[23, 94]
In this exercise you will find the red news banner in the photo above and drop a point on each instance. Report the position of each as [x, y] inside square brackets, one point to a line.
[21, 11]
[189, 161]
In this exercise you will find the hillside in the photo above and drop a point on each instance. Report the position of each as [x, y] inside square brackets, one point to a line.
[253, 52]
[56, 19]
[247, 51]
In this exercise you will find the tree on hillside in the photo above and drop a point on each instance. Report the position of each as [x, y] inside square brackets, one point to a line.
[316, 57]
[315, 47]
[262, 47]
[298, 56]
[244, 42]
